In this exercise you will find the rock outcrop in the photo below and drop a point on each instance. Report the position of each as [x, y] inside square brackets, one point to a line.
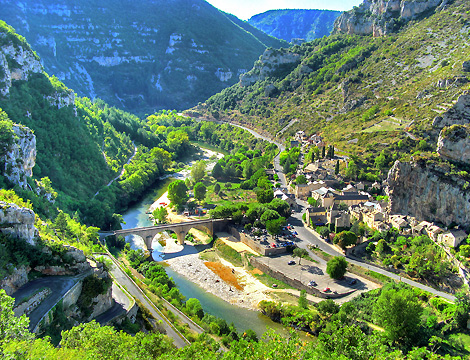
[269, 62]
[459, 114]
[20, 157]
[454, 144]
[428, 192]
[17, 221]
[18, 63]
[15, 280]
[382, 17]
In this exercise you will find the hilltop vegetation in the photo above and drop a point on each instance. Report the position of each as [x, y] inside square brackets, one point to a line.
[363, 94]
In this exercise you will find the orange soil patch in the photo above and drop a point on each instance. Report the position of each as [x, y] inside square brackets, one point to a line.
[225, 273]
[256, 272]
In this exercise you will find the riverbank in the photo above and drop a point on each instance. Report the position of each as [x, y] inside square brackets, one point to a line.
[186, 262]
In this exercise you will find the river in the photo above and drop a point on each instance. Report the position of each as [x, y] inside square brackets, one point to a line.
[242, 318]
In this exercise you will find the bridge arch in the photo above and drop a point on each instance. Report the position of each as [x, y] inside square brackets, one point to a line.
[181, 229]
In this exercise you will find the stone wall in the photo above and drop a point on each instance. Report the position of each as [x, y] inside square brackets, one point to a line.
[256, 246]
[297, 284]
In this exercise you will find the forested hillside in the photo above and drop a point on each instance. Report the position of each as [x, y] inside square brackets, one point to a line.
[362, 93]
[139, 55]
[295, 24]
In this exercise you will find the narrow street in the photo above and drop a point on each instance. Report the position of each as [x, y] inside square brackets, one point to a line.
[307, 237]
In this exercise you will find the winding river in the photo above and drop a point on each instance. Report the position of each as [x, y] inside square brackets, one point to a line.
[242, 318]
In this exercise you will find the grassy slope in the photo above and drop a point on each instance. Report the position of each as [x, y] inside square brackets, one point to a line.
[401, 66]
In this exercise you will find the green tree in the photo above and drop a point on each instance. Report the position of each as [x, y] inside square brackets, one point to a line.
[274, 226]
[194, 307]
[264, 196]
[61, 223]
[336, 267]
[287, 165]
[301, 179]
[337, 167]
[218, 171]
[345, 239]
[398, 312]
[303, 302]
[198, 171]
[323, 152]
[11, 327]
[177, 192]
[160, 215]
[217, 188]
[351, 170]
[200, 191]
[300, 253]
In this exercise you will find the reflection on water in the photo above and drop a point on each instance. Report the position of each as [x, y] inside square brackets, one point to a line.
[242, 318]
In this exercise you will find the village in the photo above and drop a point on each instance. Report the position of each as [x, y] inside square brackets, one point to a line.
[330, 205]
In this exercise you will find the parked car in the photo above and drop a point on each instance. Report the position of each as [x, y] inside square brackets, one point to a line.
[327, 289]
[291, 262]
[312, 283]
[353, 281]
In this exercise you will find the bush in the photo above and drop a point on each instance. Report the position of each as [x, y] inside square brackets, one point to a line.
[336, 267]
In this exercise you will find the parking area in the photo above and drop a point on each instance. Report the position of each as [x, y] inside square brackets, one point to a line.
[315, 274]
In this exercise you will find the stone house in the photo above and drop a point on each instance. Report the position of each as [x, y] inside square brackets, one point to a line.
[373, 219]
[452, 238]
[341, 219]
[399, 222]
[316, 216]
[351, 199]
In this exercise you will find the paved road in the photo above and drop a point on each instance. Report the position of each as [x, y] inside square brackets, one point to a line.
[59, 285]
[307, 237]
[121, 305]
[135, 291]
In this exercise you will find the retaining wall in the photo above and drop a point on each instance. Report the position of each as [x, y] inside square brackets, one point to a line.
[297, 284]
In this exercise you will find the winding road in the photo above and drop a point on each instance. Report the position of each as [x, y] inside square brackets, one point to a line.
[307, 237]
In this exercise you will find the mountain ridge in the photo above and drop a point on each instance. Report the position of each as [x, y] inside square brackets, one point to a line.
[138, 56]
[289, 24]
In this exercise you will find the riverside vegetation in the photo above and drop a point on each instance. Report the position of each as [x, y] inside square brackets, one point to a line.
[394, 322]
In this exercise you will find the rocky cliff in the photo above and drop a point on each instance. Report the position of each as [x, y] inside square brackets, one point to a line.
[17, 62]
[459, 114]
[17, 221]
[20, 156]
[140, 55]
[270, 62]
[428, 191]
[454, 144]
[381, 17]
[295, 24]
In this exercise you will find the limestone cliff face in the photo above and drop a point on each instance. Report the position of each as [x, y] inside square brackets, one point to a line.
[17, 222]
[454, 144]
[459, 114]
[381, 17]
[17, 279]
[20, 157]
[18, 63]
[428, 192]
[268, 63]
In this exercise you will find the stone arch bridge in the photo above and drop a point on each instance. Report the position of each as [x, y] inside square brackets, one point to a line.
[210, 226]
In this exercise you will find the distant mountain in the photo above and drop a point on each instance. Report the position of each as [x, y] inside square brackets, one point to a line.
[295, 24]
[139, 55]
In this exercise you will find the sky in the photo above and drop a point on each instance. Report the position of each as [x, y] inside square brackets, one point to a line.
[244, 9]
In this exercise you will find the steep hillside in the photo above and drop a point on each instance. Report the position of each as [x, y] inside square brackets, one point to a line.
[379, 17]
[295, 24]
[359, 92]
[138, 55]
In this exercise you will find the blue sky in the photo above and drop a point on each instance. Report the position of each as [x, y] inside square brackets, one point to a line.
[244, 9]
